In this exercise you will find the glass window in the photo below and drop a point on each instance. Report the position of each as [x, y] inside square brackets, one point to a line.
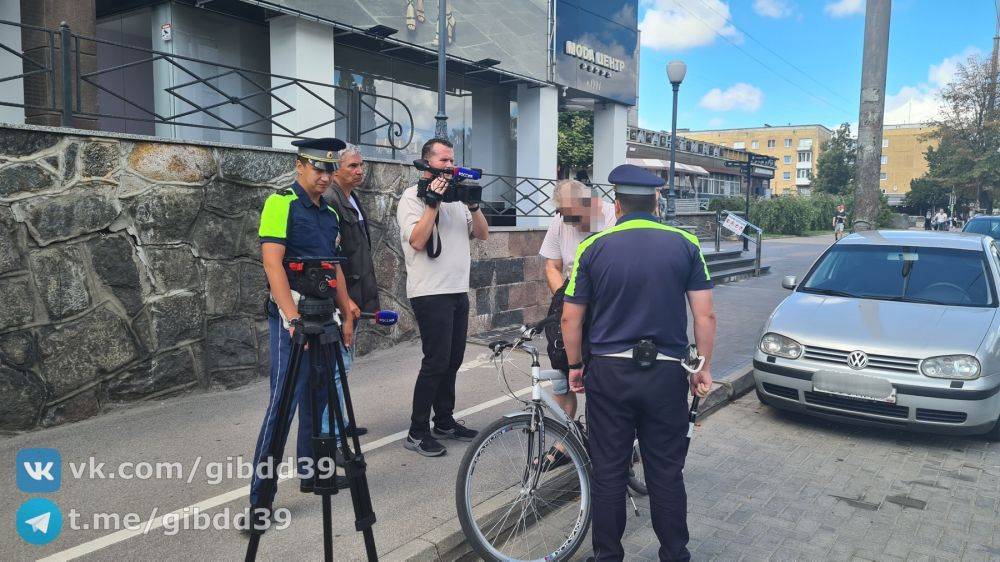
[740, 145]
[788, 143]
[770, 143]
[883, 176]
[885, 143]
[989, 227]
[754, 144]
[803, 173]
[788, 159]
[943, 276]
[805, 156]
[786, 175]
[885, 159]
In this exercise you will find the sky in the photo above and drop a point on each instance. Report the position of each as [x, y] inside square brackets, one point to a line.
[752, 62]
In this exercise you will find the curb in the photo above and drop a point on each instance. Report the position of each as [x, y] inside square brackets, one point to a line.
[446, 542]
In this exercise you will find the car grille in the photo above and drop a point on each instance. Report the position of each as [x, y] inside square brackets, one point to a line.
[782, 391]
[883, 362]
[856, 405]
[941, 416]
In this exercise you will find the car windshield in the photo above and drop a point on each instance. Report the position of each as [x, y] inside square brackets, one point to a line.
[909, 274]
[989, 227]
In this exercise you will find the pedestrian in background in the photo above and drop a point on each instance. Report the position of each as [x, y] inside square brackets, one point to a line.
[927, 220]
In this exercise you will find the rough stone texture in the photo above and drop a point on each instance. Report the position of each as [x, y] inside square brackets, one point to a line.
[61, 280]
[163, 372]
[17, 349]
[165, 216]
[217, 237]
[176, 317]
[113, 262]
[230, 342]
[16, 303]
[18, 142]
[10, 253]
[100, 158]
[172, 162]
[145, 278]
[173, 267]
[222, 288]
[78, 352]
[61, 217]
[79, 407]
[252, 166]
[23, 397]
[20, 178]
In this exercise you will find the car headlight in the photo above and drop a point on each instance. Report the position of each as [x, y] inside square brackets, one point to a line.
[963, 367]
[777, 344]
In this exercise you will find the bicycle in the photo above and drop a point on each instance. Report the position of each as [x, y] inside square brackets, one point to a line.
[507, 483]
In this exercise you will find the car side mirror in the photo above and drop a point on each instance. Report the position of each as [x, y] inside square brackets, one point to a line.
[789, 282]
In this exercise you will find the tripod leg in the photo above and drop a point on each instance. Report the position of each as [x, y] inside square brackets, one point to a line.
[266, 469]
[354, 463]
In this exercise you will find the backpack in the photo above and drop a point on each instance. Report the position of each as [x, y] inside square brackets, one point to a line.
[553, 333]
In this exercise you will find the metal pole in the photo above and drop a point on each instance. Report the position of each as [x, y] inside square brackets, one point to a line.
[441, 129]
[671, 194]
[718, 231]
[746, 208]
[873, 69]
[67, 75]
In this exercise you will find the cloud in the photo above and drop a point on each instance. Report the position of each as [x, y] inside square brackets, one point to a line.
[844, 8]
[716, 122]
[922, 102]
[684, 24]
[740, 96]
[773, 8]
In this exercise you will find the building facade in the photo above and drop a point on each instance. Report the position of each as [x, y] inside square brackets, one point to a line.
[264, 72]
[903, 158]
[795, 148]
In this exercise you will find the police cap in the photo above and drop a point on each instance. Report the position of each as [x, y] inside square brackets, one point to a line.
[629, 179]
[321, 153]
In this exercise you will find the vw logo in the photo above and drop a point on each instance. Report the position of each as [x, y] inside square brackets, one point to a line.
[857, 360]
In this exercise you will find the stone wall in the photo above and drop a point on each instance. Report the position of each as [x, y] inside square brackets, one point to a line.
[130, 269]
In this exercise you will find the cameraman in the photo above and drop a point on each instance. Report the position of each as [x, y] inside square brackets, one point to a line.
[435, 238]
[296, 222]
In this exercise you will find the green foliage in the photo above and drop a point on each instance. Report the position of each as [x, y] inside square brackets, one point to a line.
[784, 215]
[837, 163]
[576, 139]
[727, 203]
[825, 206]
[925, 195]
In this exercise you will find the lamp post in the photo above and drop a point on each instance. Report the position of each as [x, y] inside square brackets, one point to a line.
[441, 126]
[675, 73]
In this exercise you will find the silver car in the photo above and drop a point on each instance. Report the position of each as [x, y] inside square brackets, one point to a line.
[890, 328]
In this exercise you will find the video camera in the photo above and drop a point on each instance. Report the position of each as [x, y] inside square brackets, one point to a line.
[461, 186]
[314, 277]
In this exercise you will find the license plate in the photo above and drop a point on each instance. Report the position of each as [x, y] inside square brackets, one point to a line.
[854, 385]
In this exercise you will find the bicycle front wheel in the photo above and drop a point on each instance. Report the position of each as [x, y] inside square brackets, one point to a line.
[510, 507]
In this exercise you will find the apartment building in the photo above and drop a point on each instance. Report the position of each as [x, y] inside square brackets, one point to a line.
[903, 150]
[795, 148]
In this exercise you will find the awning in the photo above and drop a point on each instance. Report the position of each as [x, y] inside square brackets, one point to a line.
[657, 164]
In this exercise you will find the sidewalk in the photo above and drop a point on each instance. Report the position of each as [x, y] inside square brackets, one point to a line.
[412, 496]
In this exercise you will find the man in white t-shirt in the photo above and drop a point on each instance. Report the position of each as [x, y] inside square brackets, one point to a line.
[580, 214]
[435, 238]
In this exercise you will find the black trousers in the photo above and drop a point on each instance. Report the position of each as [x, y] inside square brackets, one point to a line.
[623, 400]
[443, 321]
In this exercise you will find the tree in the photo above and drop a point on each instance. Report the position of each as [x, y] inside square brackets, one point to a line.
[837, 163]
[967, 158]
[925, 194]
[576, 141]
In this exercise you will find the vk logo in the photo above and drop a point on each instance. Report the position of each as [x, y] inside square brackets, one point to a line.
[39, 521]
[38, 470]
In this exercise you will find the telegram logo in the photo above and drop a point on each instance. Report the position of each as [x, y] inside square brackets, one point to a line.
[39, 521]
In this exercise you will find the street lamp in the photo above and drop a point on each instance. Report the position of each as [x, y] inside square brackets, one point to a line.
[675, 73]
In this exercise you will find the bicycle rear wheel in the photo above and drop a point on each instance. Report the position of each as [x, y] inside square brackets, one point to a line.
[512, 510]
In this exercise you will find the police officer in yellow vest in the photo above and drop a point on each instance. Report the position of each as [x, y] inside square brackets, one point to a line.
[634, 279]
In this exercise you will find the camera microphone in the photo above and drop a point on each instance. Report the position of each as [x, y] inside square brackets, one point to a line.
[382, 317]
[465, 173]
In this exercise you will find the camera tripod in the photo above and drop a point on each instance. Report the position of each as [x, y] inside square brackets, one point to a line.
[324, 346]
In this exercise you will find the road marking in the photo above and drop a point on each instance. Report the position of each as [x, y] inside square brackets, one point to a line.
[204, 505]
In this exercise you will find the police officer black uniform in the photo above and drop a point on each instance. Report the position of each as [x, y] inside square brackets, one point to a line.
[296, 222]
[633, 280]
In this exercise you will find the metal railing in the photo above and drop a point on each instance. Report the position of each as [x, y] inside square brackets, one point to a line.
[720, 216]
[526, 197]
[204, 95]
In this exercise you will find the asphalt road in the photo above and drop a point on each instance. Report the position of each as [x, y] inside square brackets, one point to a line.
[208, 432]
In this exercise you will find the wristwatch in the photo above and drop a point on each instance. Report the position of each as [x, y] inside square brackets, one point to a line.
[473, 208]
[576, 366]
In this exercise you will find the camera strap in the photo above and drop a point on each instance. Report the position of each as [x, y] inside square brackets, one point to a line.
[434, 250]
